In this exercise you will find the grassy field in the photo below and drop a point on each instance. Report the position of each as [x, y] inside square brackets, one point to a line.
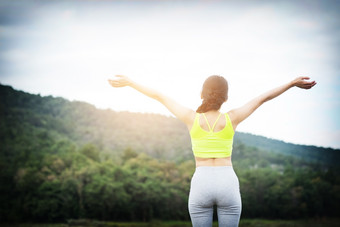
[243, 223]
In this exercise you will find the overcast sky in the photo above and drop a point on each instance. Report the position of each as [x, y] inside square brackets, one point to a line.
[71, 48]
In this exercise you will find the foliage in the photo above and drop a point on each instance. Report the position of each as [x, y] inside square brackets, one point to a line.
[62, 160]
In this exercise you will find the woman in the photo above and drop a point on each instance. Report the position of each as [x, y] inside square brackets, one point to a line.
[214, 181]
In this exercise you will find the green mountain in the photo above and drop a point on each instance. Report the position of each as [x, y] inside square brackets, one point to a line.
[63, 160]
[321, 155]
[159, 136]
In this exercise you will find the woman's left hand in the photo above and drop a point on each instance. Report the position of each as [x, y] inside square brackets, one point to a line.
[120, 81]
[302, 82]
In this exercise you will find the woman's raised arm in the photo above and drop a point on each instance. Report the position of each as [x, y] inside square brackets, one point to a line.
[240, 114]
[182, 113]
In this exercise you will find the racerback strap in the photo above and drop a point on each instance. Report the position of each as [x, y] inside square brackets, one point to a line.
[211, 129]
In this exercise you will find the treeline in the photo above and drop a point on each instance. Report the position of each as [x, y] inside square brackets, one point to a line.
[79, 184]
[64, 160]
[65, 182]
[284, 187]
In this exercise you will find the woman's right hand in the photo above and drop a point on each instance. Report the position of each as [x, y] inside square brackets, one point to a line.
[120, 81]
[302, 82]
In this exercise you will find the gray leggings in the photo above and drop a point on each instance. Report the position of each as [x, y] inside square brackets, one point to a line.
[214, 185]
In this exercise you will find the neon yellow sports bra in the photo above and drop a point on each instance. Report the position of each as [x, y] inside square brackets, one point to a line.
[212, 144]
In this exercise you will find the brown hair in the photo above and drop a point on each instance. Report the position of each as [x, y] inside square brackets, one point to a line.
[214, 93]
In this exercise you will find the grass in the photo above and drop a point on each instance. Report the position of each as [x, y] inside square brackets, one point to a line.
[243, 223]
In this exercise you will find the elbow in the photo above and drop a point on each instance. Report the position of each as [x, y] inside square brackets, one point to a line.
[266, 99]
[158, 97]
[261, 100]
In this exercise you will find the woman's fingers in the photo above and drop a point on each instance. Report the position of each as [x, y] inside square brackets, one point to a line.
[115, 83]
[302, 83]
[119, 82]
[313, 83]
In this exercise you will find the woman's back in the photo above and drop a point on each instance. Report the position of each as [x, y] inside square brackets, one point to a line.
[212, 139]
[213, 117]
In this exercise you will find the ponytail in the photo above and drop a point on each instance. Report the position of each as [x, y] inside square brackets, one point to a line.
[214, 94]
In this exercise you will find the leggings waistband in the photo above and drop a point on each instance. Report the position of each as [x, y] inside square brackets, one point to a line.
[213, 168]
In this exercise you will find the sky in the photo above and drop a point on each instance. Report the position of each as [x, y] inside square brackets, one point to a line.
[70, 49]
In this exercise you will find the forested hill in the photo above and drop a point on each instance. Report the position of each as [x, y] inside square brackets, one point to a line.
[62, 160]
[159, 136]
[321, 155]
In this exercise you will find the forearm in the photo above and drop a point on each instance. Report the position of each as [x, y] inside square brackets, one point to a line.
[152, 93]
[275, 92]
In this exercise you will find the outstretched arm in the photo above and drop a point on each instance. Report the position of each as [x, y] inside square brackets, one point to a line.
[184, 114]
[240, 114]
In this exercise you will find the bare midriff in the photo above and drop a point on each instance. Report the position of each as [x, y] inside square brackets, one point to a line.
[213, 161]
